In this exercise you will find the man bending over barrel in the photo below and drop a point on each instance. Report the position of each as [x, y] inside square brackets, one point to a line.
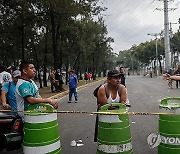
[112, 91]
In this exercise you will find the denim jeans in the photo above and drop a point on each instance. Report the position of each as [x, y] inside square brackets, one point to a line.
[71, 91]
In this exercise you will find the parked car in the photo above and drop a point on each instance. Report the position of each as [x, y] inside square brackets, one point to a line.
[11, 131]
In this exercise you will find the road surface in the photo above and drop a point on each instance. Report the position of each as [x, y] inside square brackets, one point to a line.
[144, 94]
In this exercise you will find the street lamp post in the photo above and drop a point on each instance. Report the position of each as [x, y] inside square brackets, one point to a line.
[132, 63]
[157, 70]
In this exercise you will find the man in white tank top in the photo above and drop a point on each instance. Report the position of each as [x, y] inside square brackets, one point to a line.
[113, 85]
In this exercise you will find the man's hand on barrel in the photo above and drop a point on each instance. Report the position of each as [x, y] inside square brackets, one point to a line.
[54, 103]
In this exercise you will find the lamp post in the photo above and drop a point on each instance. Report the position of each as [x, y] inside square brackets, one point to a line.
[156, 34]
[132, 62]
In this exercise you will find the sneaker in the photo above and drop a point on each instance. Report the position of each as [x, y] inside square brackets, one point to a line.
[76, 101]
[69, 102]
[127, 103]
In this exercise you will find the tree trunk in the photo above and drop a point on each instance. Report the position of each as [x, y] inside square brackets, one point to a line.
[54, 41]
[45, 60]
[76, 60]
[22, 41]
[66, 74]
[93, 70]
[39, 78]
[37, 62]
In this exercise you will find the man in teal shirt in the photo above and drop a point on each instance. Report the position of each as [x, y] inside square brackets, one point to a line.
[27, 91]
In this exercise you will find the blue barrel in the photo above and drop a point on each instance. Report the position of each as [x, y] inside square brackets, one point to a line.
[41, 131]
[114, 131]
[169, 126]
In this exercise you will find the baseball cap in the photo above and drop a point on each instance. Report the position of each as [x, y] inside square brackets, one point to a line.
[71, 70]
[16, 73]
[113, 73]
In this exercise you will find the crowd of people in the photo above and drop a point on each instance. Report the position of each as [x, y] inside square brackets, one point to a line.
[18, 89]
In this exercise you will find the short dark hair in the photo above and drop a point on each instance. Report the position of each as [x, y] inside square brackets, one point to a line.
[24, 64]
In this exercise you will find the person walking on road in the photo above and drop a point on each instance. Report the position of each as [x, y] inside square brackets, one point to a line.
[8, 97]
[27, 91]
[73, 82]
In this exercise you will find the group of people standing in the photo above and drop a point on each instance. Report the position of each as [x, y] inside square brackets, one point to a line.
[8, 82]
[56, 80]
[18, 90]
[87, 77]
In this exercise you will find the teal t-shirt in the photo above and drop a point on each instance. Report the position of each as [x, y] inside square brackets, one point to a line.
[10, 88]
[24, 89]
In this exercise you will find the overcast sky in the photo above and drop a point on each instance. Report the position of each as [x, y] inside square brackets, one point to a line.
[129, 21]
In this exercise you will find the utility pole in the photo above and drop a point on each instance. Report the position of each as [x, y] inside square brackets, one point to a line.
[166, 37]
[166, 34]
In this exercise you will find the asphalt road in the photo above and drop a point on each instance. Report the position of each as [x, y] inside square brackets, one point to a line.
[144, 95]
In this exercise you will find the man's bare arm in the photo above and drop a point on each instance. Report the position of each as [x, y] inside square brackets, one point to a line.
[102, 100]
[33, 100]
[175, 77]
[3, 99]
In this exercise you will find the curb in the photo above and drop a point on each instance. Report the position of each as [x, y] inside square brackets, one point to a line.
[78, 88]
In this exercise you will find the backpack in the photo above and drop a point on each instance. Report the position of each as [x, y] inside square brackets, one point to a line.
[95, 93]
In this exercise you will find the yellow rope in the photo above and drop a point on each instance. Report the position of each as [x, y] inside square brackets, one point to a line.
[100, 112]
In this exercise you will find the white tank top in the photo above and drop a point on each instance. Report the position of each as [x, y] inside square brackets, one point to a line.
[116, 100]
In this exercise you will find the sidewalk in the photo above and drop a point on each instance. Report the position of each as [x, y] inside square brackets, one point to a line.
[46, 91]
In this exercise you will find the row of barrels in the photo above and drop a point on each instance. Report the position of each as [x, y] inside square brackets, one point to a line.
[114, 135]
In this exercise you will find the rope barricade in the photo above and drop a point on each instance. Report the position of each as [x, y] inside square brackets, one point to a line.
[91, 113]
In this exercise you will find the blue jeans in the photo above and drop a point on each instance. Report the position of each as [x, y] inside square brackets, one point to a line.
[71, 91]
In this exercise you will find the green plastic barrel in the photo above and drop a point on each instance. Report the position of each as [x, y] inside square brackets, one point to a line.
[41, 131]
[169, 126]
[114, 131]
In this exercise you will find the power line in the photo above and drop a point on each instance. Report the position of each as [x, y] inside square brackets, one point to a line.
[117, 7]
[132, 25]
[129, 13]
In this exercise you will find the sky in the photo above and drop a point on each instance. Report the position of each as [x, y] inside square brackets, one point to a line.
[129, 21]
